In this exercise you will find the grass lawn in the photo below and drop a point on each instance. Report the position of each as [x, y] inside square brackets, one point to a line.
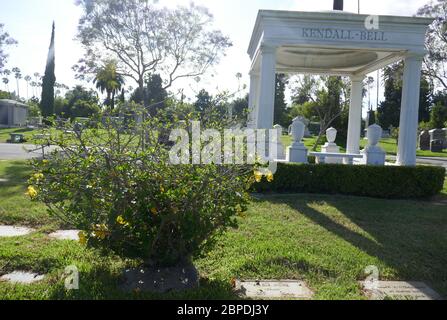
[326, 240]
[5, 133]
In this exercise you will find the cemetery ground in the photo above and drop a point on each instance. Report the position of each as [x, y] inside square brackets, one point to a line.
[389, 145]
[326, 240]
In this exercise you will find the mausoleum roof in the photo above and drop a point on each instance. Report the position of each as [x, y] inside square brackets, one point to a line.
[336, 42]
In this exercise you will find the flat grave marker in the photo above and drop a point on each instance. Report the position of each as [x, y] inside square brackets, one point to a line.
[65, 235]
[12, 231]
[401, 290]
[22, 277]
[273, 289]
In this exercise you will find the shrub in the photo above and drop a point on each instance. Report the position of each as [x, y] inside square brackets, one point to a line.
[371, 181]
[127, 197]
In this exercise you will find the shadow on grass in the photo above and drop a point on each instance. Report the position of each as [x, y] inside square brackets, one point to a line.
[16, 174]
[300, 266]
[410, 237]
[102, 284]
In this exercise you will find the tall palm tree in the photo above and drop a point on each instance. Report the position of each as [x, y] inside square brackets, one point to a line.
[109, 80]
[27, 79]
[18, 76]
[34, 85]
[6, 73]
[6, 81]
[37, 78]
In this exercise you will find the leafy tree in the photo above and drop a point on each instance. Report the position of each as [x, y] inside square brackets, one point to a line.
[438, 115]
[145, 39]
[60, 106]
[33, 108]
[109, 80]
[388, 112]
[153, 95]
[48, 81]
[329, 105]
[306, 110]
[85, 109]
[5, 95]
[436, 41]
[203, 101]
[5, 40]
[240, 108]
[304, 89]
[280, 113]
[78, 102]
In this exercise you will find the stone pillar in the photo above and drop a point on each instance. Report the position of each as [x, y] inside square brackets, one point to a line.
[252, 98]
[355, 115]
[265, 105]
[406, 149]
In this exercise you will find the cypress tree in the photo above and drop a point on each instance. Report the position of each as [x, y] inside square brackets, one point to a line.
[48, 81]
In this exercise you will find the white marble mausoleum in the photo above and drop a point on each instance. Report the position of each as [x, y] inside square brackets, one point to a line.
[338, 43]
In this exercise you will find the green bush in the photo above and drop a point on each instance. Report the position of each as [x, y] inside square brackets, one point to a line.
[129, 198]
[370, 181]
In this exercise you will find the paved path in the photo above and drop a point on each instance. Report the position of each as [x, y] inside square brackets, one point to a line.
[434, 161]
[10, 151]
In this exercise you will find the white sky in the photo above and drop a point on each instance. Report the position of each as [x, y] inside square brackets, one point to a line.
[29, 22]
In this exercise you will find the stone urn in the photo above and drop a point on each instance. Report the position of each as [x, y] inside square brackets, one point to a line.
[374, 133]
[331, 135]
[297, 130]
[373, 154]
[297, 152]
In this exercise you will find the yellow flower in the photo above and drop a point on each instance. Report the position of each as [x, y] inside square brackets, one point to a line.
[154, 210]
[258, 176]
[162, 190]
[100, 231]
[82, 237]
[38, 176]
[270, 177]
[120, 220]
[32, 192]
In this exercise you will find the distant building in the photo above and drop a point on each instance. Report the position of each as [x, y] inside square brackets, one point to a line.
[13, 113]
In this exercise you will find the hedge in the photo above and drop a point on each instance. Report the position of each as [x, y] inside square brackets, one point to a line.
[371, 181]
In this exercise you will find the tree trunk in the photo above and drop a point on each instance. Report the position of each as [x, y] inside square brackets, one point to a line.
[141, 91]
[112, 102]
[320, 134]
[108, 98]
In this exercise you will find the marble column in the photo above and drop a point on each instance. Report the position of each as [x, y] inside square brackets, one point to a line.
[409, 110]
[355, 114]
[266, 95]
[252, 103]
